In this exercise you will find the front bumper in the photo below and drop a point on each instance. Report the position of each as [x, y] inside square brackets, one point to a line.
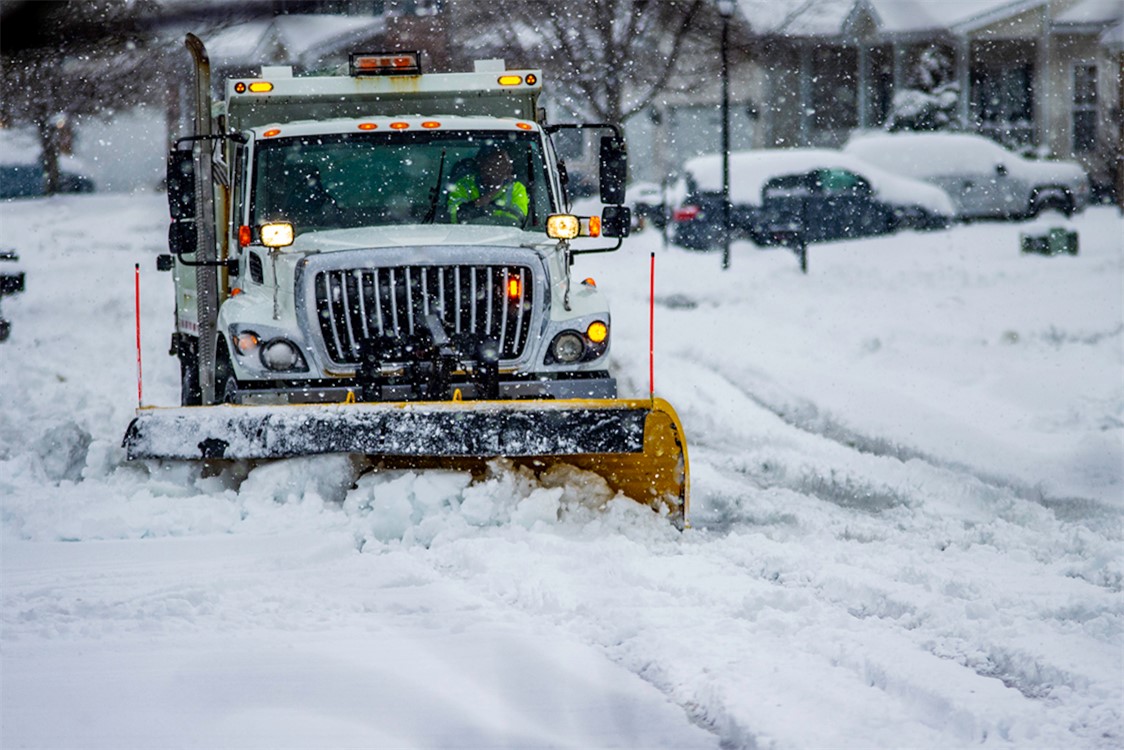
[574, 385]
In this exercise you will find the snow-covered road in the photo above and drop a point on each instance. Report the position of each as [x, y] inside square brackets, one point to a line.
[908, 488]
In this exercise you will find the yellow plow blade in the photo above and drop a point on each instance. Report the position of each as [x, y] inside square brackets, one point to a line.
[638, 446]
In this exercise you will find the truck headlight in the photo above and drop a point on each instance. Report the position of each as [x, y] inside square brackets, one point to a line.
[567, 347]
[281, 355]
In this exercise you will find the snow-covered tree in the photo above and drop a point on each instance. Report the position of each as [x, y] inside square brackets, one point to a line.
[61, 61]
[930, 101]
[608, 59]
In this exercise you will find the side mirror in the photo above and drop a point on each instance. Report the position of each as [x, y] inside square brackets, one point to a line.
[616, 221]
[181, 183]
[181, 237]
[614, 170]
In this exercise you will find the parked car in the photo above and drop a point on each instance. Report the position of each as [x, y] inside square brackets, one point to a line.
[838, 196]
[21, 172]
[982, 178]
[647, 202]
[26, 180]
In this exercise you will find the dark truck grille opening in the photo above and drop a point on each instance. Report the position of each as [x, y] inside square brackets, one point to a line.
[487, 301]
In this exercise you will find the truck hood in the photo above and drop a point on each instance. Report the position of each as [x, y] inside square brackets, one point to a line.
[416, 234]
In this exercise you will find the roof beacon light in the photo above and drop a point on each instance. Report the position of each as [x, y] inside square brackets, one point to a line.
[385, 64]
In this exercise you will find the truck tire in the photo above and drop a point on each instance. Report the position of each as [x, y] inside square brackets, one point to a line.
[1057, 199]
[226, 385]
[188, 353]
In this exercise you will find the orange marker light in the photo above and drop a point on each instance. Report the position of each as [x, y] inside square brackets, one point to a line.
[513, 288]
[246, 342]
[510, 80]
[431, 124]
[590, 282]
[271, 132]
[245, 235]
[261, 87]
[367, 126]
[399, 125]
[594, 226]
[524, 126]
[235, 291]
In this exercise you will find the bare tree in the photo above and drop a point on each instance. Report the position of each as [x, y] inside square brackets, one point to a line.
[62, 60]
[609, 59]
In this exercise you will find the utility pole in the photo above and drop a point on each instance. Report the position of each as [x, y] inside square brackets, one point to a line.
[725, 9]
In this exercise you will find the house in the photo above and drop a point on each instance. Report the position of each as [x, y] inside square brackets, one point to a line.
[1037, 75]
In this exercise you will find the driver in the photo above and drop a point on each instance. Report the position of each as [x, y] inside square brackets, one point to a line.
[492, 195]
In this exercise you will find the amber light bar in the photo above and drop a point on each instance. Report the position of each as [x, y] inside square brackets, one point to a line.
[385, 64]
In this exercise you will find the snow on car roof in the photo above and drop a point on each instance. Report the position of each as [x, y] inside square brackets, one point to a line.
[926, 154]
[750, 170]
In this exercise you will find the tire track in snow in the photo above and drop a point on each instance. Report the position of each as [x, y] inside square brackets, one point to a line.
[806, 416]
[889, 497]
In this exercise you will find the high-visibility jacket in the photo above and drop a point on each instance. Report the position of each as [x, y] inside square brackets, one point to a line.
[510, 205]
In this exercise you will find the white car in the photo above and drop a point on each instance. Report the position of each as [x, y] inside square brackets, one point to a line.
[982, 178]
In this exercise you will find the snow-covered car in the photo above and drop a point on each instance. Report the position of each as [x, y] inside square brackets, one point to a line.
[647, 202]
[982, 178]
[21, 170]
[839, 195]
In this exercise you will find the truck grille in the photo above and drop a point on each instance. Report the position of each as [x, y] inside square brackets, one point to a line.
[486, 301]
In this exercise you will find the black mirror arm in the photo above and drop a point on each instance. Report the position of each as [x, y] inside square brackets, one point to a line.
[236, 137]
[230, 264]
[590, 251]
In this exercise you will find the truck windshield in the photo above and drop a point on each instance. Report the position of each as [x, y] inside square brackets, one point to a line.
[417, 177]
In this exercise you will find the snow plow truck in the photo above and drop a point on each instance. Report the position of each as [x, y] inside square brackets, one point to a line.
[351, 277]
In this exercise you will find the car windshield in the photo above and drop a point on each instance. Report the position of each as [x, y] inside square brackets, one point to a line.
[407, 177]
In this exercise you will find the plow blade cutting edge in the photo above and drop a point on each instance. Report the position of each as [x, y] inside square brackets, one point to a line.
[637, 446]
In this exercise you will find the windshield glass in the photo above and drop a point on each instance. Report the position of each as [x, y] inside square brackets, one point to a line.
[417, 177]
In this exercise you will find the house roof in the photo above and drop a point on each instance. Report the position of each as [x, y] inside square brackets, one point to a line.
[304, 39]
[1097, 12]
[832, 17]
[1113, 38]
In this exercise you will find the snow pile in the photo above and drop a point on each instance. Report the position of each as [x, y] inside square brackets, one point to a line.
[907, 475]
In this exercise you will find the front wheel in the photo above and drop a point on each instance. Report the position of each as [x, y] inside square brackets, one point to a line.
[226, 385]
[187, 351]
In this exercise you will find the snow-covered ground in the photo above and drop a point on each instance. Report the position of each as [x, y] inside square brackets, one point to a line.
[908, 488]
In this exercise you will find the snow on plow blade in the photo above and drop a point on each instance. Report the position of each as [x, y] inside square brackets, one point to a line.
[636, 445]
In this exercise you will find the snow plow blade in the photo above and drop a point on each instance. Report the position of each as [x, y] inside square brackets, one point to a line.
[637, 446]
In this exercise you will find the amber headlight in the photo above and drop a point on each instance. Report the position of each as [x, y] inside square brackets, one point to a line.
[562, 227]
[276, 234]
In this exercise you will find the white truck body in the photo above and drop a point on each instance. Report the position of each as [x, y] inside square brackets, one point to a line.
[378, 268]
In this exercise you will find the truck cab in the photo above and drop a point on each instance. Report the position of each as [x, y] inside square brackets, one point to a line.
[350, 258]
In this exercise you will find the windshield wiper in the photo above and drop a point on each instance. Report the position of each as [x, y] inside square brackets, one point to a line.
[435, 192]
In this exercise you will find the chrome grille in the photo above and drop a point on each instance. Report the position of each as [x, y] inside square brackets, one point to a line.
[485, 301]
